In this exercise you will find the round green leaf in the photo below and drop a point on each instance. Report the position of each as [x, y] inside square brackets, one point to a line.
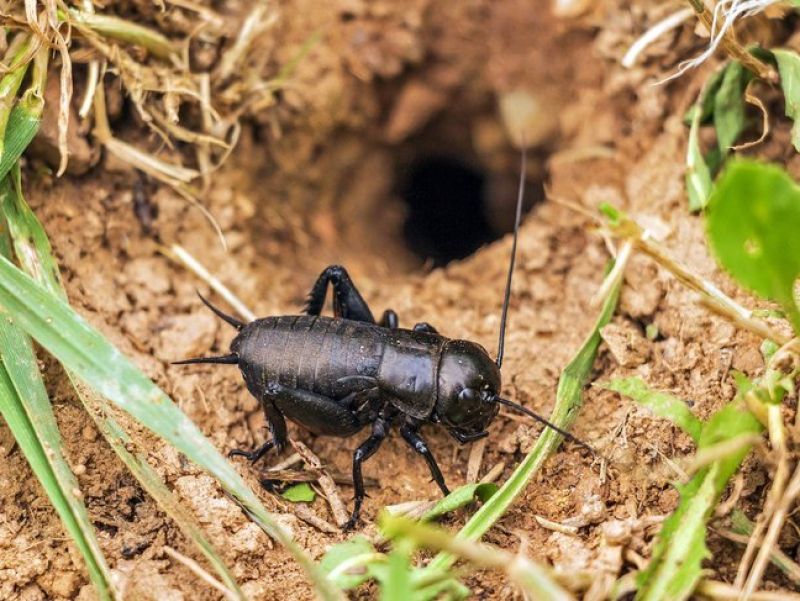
[753, 226]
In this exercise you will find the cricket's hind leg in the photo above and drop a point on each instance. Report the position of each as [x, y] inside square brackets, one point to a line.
[347, 300]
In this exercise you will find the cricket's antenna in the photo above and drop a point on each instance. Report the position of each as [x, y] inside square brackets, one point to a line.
[507, 297]
[543, 421]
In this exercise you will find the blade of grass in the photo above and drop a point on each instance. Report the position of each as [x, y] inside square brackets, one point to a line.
[83, 350]
[398, 585]
[675, 566]
[26, 409]
[42, 460]
[531, 577]
[11, 81]
[569, 399]
[660, 403]
[33, 249]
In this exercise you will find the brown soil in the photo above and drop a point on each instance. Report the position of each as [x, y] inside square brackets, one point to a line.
[313, 185]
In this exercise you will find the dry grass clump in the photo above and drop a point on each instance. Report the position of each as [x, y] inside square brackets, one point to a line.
[190, 74]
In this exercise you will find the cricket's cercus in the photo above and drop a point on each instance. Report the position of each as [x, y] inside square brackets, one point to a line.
[336, 375]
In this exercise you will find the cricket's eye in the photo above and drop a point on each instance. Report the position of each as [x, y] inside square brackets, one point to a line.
[468, 395]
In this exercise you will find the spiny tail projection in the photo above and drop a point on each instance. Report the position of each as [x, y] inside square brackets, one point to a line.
[231, 359]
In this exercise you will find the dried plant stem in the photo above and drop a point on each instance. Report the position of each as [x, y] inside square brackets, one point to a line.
[651, 35]
[713, 589]
[475, 460]
[198, 570]
[712, 296]
[326, 483]
[733, 47]
[531, 577]
[181, 255]
[777, 435]
[125, 31]
[783, 504]
[615, 276]
[785, 563]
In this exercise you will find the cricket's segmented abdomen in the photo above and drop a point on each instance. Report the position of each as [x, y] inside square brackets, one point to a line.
[308, 352]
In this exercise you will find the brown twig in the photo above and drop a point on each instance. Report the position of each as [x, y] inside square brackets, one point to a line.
[198, 570]
[475, 459]
[733, 47]
[326, 483]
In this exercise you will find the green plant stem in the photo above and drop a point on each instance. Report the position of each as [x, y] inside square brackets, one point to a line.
[533, 578]
[716, 300]
[82, 349]
[569, 399]
[122, 30]
[27, 411]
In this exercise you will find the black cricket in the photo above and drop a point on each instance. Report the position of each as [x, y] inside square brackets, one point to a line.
[335, 375]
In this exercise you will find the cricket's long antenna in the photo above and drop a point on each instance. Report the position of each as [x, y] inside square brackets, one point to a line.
[504, 315]
[542, 420]
[224, 316]
[231, 359]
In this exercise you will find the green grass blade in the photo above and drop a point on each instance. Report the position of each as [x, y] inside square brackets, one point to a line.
[698, 176]
[43, 459]
[789, 68]
[11, 81]
[533, 579]
[662, 404]
[569, 399]
[675, 566]
[463, 495]
[27, 410]
[398, 586]
[22, 127]
[84, 351]
[32, 246]
[729, 106]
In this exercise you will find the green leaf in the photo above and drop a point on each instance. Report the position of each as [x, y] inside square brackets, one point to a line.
[789, 70]
[729, 106]
[350, 551]
[698, 176]
[753, 220]
[300, 493]
[768, 349]
[27, 412]
[569, 399]
[22, 127]
[463, 495]
[662, 404]
[612, 213]
[35, 254]
[675, 566]
[83, 350]
[397, 586]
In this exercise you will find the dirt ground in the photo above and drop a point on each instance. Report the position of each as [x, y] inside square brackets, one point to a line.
[314, 183]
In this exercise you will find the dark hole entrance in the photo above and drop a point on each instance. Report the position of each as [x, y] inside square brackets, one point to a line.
[454, 208]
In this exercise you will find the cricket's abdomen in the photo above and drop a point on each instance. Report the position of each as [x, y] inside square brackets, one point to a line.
[309, 352]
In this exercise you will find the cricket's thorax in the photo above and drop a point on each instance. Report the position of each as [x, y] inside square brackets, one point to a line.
[409, 371]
